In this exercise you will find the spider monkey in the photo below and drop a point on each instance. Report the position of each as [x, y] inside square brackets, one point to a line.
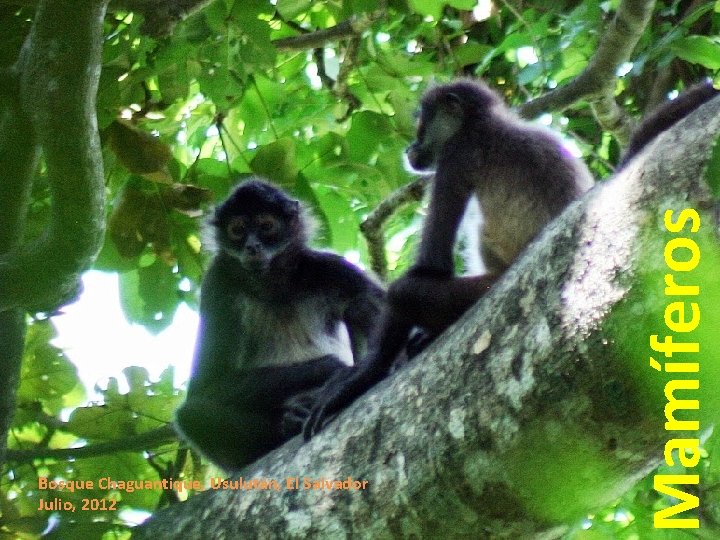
[277, 320]
[521, 176]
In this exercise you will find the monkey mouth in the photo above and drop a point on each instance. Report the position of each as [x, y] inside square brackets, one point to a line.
[417, 160]
[251, 263]
[254, 262]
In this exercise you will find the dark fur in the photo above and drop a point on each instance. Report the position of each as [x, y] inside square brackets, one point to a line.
[270, 331]
[667, 115]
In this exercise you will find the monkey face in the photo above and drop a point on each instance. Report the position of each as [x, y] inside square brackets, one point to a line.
[438, 123]
[256, 224]
[255, 239]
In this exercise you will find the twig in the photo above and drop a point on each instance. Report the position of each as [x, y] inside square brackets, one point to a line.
[372, 227]
[353, 26]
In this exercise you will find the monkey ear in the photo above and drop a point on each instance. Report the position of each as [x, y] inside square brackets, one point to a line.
[452, 98]
[294, 207]
[452, 104]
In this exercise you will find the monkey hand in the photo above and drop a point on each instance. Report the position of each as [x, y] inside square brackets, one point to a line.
[419, 340]
[340, 391]
[295, 412]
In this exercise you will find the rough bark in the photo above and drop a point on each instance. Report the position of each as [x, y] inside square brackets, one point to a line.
[47, 102]
[60, 58]
[529, 413]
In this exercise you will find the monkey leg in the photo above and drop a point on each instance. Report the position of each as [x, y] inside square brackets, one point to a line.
[238, 419]
[227, 434]
[270, 387]
[435, 303]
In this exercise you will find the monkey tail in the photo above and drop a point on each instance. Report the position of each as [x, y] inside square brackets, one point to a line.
[667, 115]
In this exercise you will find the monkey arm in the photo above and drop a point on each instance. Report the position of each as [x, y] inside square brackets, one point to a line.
[268, 387]
[341, 391]
[451, 192]
[359, 299]
[447, 205]
[218, 337]
[361, 316]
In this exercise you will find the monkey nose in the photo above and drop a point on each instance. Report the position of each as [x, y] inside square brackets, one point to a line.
[252, 247]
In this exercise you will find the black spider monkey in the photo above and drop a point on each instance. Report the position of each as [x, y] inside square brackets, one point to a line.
[277, 320]
[522, 177]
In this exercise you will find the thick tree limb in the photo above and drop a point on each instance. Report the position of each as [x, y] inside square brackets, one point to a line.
[18, 159]
[533, 410]
[12, 337]
[58, 79]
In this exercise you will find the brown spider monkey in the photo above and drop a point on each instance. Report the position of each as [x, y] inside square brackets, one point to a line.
[277, 320]
[522, 177]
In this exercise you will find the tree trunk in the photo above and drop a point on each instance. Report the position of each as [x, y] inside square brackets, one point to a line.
[538, 407]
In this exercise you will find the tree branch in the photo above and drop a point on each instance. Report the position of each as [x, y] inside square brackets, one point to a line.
[59, 72]
[372, 227]
[150, 439]
[536, 408]
[160, 16]
[597, 82]
[354, 26]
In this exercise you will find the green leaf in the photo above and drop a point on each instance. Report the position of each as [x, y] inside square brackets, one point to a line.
[289, 9]
[432, 8]
[277, 162]
[211, 174]
[368, 129]
[47, 375]
[462, 4]
[701, 50]
[471, 52]
[102, 422]
[149, 296]
[340, 219]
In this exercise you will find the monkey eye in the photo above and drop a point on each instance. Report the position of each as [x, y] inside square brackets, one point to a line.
[236, 228]
[268, 224]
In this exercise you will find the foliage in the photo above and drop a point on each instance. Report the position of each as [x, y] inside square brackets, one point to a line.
[185, 117]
